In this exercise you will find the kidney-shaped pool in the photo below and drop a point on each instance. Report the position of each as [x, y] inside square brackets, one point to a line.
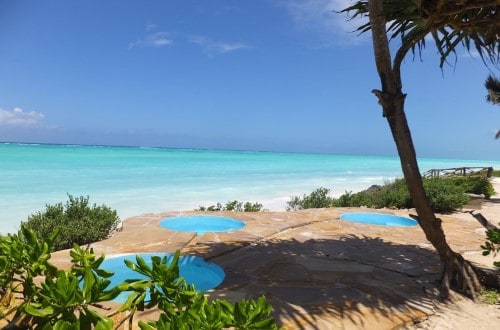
[195, 270]
[380, 219]
[201, 224]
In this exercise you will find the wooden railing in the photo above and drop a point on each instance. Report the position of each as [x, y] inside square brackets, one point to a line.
[459, 171]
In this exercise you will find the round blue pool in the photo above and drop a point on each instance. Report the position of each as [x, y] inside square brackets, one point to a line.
[201, 224]
[380, 219]
[204, 275]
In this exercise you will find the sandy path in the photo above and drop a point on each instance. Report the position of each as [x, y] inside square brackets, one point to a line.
[462, 315]
[465, 314]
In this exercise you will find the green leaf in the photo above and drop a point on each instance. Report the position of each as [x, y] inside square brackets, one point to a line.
[103, 325]
[264, 324]
[134, 299]
[142, 264]
[65, 325]
[130, 264]
[109, 295]
[88, 283]
[135, 285]
[156, 260]
[144, 326]
[39, 312]
[129, 302]
[103, 322]
[104, 273]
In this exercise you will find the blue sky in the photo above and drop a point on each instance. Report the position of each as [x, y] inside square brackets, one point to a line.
[260, 75]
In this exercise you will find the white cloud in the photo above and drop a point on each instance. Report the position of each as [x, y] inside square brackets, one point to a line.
[322, 17]
[157, 39]
[212, 48]
[150, 26]
[18, 117]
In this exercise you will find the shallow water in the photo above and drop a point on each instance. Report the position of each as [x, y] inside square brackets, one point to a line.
[201, 224]
[205, 276]
[136, 180]
[379, 219]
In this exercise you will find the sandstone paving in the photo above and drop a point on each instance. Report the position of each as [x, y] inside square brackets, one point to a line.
[318, 272]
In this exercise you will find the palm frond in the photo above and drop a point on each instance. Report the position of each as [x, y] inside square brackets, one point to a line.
[474, 24]
[492, 85]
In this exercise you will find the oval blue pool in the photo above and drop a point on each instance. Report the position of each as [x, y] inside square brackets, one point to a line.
[204, 275]
[380, 219]
[201, 224]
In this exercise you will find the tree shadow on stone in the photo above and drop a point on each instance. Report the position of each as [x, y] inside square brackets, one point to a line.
[354, 281]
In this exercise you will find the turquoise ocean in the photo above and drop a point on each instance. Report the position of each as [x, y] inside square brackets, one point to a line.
[138, 180]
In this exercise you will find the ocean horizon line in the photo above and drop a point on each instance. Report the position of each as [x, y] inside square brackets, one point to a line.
[229, 150]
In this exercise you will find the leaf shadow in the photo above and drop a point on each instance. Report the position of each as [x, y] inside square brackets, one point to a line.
[312, 283]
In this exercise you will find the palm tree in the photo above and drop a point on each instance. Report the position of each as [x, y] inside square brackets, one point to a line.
[472, 24]
[492, 84]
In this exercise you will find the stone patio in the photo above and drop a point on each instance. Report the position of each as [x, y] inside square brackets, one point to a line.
[318, 272]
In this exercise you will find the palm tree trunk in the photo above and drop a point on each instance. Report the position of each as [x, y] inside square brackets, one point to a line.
[457, 271]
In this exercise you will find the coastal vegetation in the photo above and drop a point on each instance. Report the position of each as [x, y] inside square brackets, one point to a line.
[492, 244]
[445, 195]
[450, 25]
[76, 221]
[491, 296]
[316, 199]
[233, 206]
[35, 294]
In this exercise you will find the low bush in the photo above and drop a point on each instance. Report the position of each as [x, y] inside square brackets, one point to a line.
[492, 244]
[445, 195]
[232, 206]
[317, 199]
[393, 194]
[490, 296]
[252, 207]
[478, 185]
[77, 222]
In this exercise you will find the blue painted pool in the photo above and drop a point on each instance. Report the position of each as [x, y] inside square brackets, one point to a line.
[204, 275]
[201, 224]
[380, 219]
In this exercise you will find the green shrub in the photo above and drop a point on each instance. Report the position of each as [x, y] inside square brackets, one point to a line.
[492, 244]
[345, 200]
[393, 194]
[252, 207]
[445, 195]
[77, 222]
[64, 298]
[490, 296]
[478, 185]
[317, 199]
[496, 173]
[348, 199]
[232, 206]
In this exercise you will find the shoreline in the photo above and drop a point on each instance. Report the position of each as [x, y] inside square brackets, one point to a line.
[495, 181]
[139, 181]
